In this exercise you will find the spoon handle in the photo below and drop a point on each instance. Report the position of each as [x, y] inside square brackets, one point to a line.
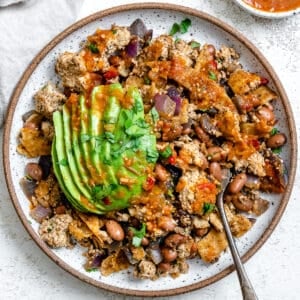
[247, 289]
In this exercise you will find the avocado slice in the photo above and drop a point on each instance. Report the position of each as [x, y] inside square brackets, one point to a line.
[103, 149]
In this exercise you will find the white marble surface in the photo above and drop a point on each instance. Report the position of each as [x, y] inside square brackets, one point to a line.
[27, 273]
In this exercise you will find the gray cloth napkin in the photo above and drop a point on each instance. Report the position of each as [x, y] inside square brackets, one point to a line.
[25, 28]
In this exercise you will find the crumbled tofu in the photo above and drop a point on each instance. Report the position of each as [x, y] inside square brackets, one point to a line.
[71, 68]
[47, 192]
[48, 100]
[215, 221]
[256, 164]
[146, 270]
[55, 231]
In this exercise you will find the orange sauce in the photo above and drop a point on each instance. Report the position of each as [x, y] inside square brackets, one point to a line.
[274, 5]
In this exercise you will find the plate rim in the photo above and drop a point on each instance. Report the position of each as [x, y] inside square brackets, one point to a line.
[175, 9]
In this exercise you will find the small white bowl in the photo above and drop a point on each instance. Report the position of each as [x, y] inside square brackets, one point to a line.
[267, 14]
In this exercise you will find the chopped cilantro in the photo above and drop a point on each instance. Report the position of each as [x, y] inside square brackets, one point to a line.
[152, 156]
[195, 44]
[212, 75]
[109, 136]
[114, 31]
[92, 270]
[84, 138]
[208, 207]
[93, 47]
[154, 114]
[182, 27]
[101, 191]
[166, 153]
[277, 150]
[175, 28]
[274, 131]
[147, 81]
[63, 162]
[138, 235]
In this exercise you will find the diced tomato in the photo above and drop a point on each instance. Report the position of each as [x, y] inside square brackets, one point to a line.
[149, 183]
[172, 160]
[206, 185]
[106, 201]
[264, 81]
[255, 143]
[110, 74]
[213, 64]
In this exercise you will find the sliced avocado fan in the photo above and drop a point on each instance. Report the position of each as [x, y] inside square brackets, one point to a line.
[103, 149]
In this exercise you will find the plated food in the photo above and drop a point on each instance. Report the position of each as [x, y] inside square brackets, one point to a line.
[127, 147]
[270, 8]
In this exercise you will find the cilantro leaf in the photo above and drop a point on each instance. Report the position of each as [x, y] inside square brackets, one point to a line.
[274, 131]
[63, 162]
[138, 235]
[154, 114]
[212, 75]
[195, 44]
[208, 207]
[175, 28]
[184, 25]
[181, 28]
[93, 48]
[167, 152]
[84, 138]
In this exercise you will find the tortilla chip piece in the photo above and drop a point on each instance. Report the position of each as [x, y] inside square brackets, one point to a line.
[79, 230]
[114, 263]
[94, 223]
[212, 245]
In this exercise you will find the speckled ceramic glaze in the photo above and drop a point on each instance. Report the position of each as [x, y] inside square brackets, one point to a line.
[160, 17]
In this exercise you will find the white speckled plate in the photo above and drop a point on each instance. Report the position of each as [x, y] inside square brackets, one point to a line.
[160, 17]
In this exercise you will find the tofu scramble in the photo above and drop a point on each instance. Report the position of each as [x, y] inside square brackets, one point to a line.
[131, 145]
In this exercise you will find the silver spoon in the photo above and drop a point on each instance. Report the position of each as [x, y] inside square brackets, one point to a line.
[246, 287]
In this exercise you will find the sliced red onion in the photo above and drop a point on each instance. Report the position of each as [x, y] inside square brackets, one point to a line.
[129, 256]
[175, 96]
[138, 28]
[45, 162]
[155, 255]
[27, 115]
[164, 105]
[39, 213]
[132, 48]
[28, 186]
[97, 260]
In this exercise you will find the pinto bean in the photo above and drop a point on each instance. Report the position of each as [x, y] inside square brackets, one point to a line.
[215, 170]
[276, 140]
[164, 267]
[166, 223]
[237, 183]
[145, 241]
[242, 203]
[201, 231]
[216, 153]
[34, 171]
[161, 173]
[266, 114]
[168, 254]
[114, 230]
[173, 240]
[202, 135]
